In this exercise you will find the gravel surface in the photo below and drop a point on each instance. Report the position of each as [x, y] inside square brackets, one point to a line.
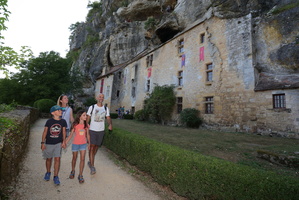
[109, 183]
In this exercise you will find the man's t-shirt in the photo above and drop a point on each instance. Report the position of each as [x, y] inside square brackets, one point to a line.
[55, 127]
[97, 122]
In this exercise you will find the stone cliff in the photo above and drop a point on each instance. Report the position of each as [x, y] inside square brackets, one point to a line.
[116, 31]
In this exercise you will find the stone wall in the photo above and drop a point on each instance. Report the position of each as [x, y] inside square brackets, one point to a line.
[231, 90]
[13, 142]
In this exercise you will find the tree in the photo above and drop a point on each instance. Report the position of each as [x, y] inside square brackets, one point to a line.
[44, 77]
[8, 56]
[160, 103]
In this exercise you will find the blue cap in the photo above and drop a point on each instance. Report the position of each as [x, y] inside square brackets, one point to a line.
[54, 108]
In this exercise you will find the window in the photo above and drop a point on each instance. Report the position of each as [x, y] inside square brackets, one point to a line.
[181, 46]
[279, 101]
[119, 75]
[180, 78]
[209, 105]
[148, 85]
[107, 91]
[117, 93]
[149, 60]
[202, 38]
[133, 91]
[179, 104]
[209, 71]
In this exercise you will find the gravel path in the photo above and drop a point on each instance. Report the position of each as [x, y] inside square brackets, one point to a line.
[109, 183]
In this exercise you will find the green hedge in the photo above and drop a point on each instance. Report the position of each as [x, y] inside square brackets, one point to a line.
[195, 176]
[113, 115]
[128, 116]
[44, 105]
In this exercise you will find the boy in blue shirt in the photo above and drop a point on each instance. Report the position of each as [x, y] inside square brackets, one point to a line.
[53, 140]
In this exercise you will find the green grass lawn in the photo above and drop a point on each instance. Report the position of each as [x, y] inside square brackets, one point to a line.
[235, 147]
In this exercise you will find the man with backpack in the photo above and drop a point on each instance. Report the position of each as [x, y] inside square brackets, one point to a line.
[97, 114]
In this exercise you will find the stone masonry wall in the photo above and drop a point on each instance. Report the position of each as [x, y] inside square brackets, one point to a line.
[228, 46]
[13, 143]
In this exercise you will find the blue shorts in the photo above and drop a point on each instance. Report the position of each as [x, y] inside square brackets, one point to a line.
[78, 147]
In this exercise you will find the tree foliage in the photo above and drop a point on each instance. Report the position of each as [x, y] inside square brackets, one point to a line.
[44, 77]
[8, 56]
[189, 117]
[160, 103]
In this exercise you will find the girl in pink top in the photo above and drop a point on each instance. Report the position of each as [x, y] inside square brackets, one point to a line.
[80, 143]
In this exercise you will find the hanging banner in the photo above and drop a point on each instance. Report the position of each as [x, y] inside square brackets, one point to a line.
[149, 72]
[183, 60]
[202, 54]
[102, 86]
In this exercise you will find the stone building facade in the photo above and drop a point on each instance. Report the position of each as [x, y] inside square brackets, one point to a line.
[212, 65]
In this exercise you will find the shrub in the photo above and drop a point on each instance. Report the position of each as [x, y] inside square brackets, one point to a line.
[140, 115]
[196, 176]
[150, 23]
[128, 116]
[189, 117]
[113, 115]
[44, 105]
[159, 105]
[5, 108]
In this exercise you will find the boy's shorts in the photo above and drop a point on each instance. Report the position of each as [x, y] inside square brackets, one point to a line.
[78, 147]
[96, 137]
[52, 151]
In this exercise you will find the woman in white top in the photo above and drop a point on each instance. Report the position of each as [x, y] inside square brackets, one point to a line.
[67, 112]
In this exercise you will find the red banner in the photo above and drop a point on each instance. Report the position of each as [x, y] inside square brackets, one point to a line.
[202, 54]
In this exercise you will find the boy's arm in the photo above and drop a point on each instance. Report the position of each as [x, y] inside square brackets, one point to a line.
[63, 145]
[43, 146]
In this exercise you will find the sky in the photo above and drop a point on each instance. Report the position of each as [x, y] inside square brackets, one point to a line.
[43, 25]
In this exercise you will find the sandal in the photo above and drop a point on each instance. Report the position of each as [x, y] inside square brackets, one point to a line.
[81, 179]
[92, 170]
[72, 175]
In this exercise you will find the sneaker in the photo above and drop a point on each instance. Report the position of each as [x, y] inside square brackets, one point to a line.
[47, 176]
[56, 180]
[92, 170]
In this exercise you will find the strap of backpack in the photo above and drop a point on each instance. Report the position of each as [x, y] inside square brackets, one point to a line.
[92, 109]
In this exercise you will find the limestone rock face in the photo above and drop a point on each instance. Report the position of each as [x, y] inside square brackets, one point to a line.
[119, 30]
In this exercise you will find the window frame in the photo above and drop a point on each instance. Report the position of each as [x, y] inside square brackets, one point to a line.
[149, 60]
[202, 38]
[209, 105]
[180, 45]
[179, 102]
[279, 101]
[108, 91]
[209, 72]
[180, 78]
[148, 85]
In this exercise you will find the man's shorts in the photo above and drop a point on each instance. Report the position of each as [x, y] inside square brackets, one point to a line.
[78, 147]
[96, 137]
[52, 150]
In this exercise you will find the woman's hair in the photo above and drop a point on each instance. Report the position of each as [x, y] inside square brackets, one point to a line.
[77, 119]
[59, 99]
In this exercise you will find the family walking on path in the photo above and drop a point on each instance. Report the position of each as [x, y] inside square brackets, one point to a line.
[109, 181]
